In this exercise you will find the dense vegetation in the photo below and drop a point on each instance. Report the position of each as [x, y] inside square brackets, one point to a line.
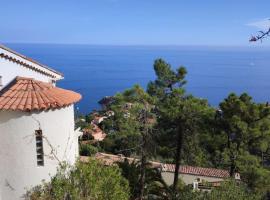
[187, 130]
[167, 124]
[84, 181]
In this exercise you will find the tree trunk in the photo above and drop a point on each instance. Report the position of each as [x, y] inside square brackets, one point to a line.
[178, 158]
[232, 167]
[262, 158]
[143, 156]
[232, 163]
[142, 170]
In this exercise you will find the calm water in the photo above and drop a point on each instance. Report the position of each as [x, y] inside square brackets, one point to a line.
[98, 71]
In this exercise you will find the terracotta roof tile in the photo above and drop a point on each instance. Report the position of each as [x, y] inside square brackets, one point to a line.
[96, 132]
[201, 171]
[110, 159]
[27, 94]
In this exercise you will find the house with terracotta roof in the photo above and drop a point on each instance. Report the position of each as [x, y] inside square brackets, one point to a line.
[196, 176]
[200, 178]
[98, 119]
[36, 124]
[95, 132]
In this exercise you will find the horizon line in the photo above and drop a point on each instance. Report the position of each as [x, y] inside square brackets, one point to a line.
[147, 45]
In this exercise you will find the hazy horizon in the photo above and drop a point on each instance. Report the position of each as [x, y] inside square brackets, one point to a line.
[258, 46]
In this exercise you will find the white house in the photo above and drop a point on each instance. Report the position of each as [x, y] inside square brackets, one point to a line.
[196, 176]
[200, 178]
[36, 124]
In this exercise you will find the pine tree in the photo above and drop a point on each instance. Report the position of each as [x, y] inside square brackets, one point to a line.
[178, 112]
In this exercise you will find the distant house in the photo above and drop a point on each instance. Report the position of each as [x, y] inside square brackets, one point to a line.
[196, 176]
[36, 124]
[200, 178]
[98, 119]
[128, 106]
[95, 132]
[109, 113]
[111, 159]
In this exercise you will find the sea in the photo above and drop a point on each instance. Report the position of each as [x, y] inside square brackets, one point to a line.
[96, 71]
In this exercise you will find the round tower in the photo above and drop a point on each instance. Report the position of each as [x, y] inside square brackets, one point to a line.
[36, 134]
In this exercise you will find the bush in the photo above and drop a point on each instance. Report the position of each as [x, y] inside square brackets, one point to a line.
[233, 190]
[229, 190]
[88, 150]
[82, 182]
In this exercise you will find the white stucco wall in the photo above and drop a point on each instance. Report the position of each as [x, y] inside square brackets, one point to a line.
[18, 162]
[187, 178]
[10, 70]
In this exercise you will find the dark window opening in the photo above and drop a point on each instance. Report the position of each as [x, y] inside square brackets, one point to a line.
[39, 148]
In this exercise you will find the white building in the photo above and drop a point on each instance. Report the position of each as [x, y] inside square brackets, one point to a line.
[36, 124]
[200, 178]
[196, 176]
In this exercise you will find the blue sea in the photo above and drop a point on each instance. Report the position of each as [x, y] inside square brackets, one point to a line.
[98, 71]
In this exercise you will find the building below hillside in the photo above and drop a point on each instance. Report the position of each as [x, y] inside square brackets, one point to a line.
[199, 177]
[196, 175]
[93, 131]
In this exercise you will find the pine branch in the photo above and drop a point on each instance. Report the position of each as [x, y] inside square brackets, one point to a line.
[260, 36]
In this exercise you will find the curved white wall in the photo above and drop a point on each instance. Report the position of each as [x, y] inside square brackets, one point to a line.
[18, 164]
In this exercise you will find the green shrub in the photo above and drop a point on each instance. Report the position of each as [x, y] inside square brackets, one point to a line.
[83, 182]
[88, 150]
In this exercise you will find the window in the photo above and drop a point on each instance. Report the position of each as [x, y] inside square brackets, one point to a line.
[39, 148]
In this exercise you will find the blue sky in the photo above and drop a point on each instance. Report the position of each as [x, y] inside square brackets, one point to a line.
[133, 22]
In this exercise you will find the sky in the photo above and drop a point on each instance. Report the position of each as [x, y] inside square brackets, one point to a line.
[133, 22]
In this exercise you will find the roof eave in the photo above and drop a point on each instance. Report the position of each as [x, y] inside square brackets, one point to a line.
[28, 62]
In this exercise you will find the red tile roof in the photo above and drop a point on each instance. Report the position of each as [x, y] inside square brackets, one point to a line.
[201, 171]
[26, 94]
[96, 132]
[110, 159]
